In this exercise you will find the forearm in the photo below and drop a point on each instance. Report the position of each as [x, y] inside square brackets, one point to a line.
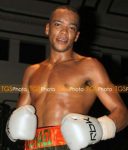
[23, 100]
[115, 105]
[120, 118]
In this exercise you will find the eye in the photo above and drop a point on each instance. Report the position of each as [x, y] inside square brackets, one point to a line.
[73, 28]
[57, 24]
[75, 119]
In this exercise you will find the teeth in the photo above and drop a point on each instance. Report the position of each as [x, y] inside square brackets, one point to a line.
[62, 39]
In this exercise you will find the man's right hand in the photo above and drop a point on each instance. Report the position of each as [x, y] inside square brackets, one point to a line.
[22, 124]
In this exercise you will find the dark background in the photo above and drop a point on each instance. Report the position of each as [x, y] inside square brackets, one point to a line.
[104, 35]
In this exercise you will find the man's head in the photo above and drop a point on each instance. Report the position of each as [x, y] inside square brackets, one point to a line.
[62, 28]
[70, 9]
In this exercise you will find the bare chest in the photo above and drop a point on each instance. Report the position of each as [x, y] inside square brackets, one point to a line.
[58, 78]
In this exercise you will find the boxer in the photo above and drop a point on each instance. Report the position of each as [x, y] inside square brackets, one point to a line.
[62, 114]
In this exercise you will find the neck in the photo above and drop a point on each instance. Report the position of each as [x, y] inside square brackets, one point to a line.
[57, 57]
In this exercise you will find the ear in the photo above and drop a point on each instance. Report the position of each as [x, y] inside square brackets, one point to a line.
[77, 36]
[47, 29]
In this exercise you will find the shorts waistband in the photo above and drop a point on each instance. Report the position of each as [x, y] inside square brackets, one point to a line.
[46, 137]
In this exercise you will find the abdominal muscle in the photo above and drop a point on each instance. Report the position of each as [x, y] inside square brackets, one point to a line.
[52, 107]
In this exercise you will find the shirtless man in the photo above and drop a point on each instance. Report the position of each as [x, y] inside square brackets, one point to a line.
[64, 72]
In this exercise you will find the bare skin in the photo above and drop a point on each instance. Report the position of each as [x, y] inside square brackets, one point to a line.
[54, 84]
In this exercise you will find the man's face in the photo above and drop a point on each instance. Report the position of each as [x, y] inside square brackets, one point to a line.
[62, 30]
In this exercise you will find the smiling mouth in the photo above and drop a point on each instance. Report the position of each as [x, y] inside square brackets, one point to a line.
[62, 40]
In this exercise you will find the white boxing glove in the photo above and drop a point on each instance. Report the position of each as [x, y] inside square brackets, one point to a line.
[22, 124]
[108, 127]
[80, 131]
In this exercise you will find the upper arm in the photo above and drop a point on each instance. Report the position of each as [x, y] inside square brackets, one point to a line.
[25, 97]
[110, 97]
[104, 88]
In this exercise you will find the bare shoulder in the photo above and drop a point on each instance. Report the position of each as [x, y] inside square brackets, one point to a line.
[95, 69]
[32, 68]
[92, 63]
[90, 60]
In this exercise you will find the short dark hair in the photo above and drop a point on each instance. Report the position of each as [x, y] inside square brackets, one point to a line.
[68, 8]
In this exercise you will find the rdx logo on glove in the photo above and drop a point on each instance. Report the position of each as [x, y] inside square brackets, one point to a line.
[79, 131]
[92, 129]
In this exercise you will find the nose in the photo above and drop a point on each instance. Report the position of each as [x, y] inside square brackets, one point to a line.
[64, 30]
